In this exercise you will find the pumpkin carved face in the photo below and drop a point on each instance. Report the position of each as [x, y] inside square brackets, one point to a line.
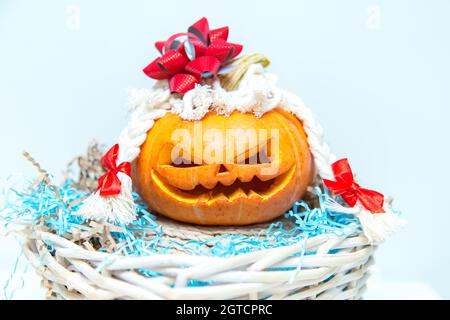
[233, 170]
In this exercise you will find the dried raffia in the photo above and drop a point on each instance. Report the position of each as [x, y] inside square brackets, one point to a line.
[88, 167]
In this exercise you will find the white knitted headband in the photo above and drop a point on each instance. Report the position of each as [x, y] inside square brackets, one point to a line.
[257, 94]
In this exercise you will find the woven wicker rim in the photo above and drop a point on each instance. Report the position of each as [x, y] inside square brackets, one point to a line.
[73, 272]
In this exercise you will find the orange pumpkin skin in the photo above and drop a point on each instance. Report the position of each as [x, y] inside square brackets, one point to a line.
[227, 194]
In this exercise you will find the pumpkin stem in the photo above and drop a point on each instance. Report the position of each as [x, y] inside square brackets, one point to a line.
[230, 81]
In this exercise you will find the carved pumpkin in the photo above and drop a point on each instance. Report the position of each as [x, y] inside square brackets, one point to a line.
[233, 190]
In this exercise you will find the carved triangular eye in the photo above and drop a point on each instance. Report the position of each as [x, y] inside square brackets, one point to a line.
[260, 157]
[263, 155]
[180, 162]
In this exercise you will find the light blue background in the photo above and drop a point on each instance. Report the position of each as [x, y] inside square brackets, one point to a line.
[379, 85]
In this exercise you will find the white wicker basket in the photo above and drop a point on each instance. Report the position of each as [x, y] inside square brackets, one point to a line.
[71, 271]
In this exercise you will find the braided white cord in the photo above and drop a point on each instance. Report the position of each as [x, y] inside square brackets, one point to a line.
[376, 226]
[121, 208]
[134, 135]
[319, 148]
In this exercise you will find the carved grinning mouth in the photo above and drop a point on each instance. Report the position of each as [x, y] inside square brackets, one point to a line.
[253, 189]
[257, 176]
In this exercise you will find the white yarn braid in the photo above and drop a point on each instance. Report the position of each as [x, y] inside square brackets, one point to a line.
[319, 149]
[121, 208]
[376, 226]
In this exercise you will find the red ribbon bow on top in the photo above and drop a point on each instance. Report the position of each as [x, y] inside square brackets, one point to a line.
[109, 184]
[189, 57]
[350, 191]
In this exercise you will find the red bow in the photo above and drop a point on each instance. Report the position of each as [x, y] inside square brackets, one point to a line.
[109, 184]
[350, 191]
[190, 56]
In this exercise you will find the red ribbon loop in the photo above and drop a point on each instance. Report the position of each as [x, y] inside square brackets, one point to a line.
[164, 67]
[189, 57]
[201, 30]
[219, 33]
[183, 81]
[203, 67]
[350, 191]
[109, 183]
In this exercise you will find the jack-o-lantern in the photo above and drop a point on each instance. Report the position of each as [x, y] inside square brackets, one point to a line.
[246, 159]
[242, 182]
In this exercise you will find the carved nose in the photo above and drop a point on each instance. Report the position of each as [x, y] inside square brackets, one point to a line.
[222, 169]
